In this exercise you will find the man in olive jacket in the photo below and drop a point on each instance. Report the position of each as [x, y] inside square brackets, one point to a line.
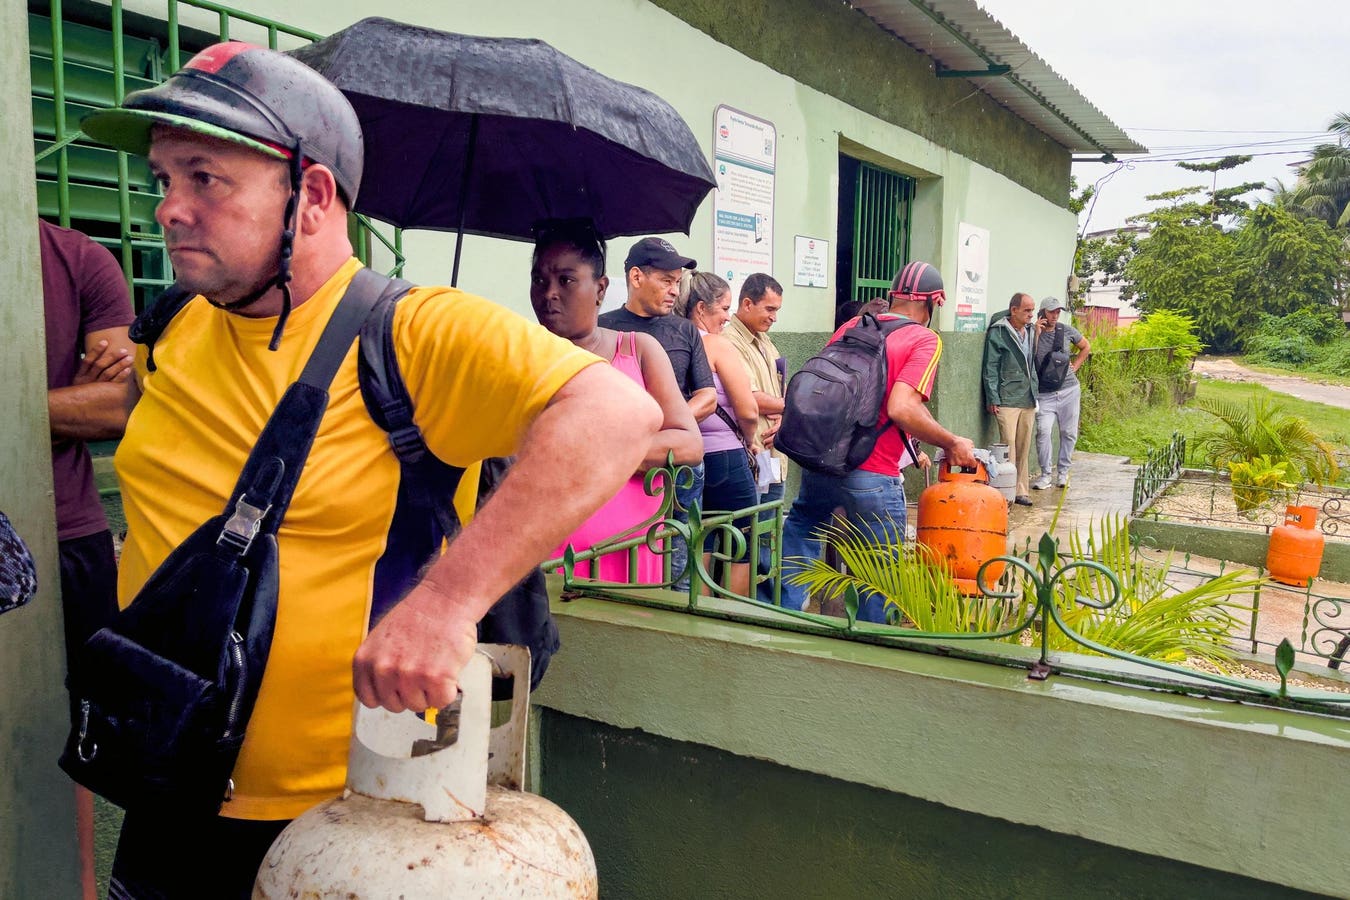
[1010, 384]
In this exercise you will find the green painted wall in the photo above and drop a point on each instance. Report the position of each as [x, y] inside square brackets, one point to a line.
[675, 819]
[839, 51]
[37, 802]
[1228, 787]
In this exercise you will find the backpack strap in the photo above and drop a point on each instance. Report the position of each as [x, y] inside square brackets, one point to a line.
[152, 321]
[430, 482]
[424, 513]
[887, 328]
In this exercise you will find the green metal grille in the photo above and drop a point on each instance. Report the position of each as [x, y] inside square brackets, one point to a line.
[80, 66]
[881, 229]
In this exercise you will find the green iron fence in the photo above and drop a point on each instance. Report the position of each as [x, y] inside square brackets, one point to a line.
[1161, 467]
[1032, 590]
[657, 532]
[91, 60]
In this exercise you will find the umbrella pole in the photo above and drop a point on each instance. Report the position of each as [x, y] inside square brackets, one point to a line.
[464, 197]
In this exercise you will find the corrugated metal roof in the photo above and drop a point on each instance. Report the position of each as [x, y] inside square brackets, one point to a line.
[959, 36]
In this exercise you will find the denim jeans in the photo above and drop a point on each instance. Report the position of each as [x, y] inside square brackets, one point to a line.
[765, 593]
[679, 550]
[873, 503]
[728, 486]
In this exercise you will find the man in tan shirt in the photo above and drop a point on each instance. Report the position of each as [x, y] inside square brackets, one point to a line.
[761, 297]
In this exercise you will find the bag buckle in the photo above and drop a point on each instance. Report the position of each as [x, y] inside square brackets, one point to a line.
[243, 526]
[408, 443]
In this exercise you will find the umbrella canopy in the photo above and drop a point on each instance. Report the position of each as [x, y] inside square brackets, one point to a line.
[492, 135]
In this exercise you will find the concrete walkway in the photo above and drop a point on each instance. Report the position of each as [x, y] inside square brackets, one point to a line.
[1100, 485]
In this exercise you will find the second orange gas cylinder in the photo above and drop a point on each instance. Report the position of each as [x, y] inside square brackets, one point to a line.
[964, 523]
[1295, 552]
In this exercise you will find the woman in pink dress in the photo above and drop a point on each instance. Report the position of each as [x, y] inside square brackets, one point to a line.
[567, 287]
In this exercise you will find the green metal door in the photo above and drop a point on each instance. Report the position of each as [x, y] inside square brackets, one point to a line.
[881, 229]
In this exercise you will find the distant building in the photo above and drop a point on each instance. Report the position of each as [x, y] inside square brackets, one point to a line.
[1102, 304]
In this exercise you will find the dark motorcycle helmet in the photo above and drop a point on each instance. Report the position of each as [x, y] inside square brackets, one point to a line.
[266, 101]
[919, 281]
[261, 98]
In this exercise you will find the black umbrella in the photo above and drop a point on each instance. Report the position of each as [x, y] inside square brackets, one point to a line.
[492, 135]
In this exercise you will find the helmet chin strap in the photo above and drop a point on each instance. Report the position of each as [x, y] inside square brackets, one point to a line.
[282, 279]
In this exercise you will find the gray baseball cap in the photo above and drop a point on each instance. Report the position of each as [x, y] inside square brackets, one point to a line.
[1050, 304]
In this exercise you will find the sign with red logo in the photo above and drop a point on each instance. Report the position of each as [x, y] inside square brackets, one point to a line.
[810, 262]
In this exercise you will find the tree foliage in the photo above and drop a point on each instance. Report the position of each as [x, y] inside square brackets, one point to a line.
[1323, 186]
[1223, 260]
[1288, 263]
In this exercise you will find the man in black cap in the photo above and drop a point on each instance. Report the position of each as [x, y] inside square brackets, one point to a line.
[652, 271]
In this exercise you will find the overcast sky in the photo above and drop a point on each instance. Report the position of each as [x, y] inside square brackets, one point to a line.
[1194, 78]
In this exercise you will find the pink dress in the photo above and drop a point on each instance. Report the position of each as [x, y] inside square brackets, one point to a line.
[630, 507]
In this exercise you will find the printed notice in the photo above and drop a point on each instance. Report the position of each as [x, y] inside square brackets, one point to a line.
[972, 279]
[744, 152]
[810, 261]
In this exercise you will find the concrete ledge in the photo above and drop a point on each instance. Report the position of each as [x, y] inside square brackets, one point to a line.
[1220, 785]
[1245, 547]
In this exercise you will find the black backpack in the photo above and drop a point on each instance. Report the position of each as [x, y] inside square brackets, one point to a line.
[833, 402]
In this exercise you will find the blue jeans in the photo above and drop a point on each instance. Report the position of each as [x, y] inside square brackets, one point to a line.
[765, 592]
[679, 550]
[728, 486]
[873, 503]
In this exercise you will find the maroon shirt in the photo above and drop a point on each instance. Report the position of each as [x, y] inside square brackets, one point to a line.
[83, 290]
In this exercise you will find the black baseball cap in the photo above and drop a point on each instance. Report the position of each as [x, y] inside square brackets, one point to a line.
[657, 253]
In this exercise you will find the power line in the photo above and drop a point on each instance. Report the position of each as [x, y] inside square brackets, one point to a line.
[1223, 131]
[1320, 139]
[1173, 159]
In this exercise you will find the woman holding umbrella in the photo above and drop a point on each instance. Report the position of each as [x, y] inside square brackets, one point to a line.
[567, 287]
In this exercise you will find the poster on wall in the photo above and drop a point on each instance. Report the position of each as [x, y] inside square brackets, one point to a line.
[810, 262]
[972, 279]
[744, 152]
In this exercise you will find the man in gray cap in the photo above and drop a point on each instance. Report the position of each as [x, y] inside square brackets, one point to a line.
[1060, 352]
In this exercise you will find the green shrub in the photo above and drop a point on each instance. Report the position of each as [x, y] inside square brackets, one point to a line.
[1333, 359]
[1295, 339]
[1147, 365]
[1164, 328]
[1261, 429]
[1257, 480]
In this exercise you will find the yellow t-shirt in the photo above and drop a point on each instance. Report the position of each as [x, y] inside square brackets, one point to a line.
[478, 375]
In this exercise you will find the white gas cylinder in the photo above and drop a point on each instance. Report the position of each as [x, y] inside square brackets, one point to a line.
[1005, 479]
[450, 822]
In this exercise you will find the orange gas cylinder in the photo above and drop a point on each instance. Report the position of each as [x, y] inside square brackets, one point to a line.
[1295, 553]
[964, 522]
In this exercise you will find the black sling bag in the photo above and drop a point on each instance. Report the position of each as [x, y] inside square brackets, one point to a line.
[165, 692]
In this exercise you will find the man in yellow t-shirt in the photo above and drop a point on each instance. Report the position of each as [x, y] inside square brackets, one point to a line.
[263, 242]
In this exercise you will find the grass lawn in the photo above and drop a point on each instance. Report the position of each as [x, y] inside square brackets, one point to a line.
[1152, 427]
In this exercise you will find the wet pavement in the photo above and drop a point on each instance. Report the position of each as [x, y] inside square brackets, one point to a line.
[1100, 485]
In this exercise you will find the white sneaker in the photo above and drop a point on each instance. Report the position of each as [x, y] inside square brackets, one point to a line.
[1062, 480]
[1041, 483]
